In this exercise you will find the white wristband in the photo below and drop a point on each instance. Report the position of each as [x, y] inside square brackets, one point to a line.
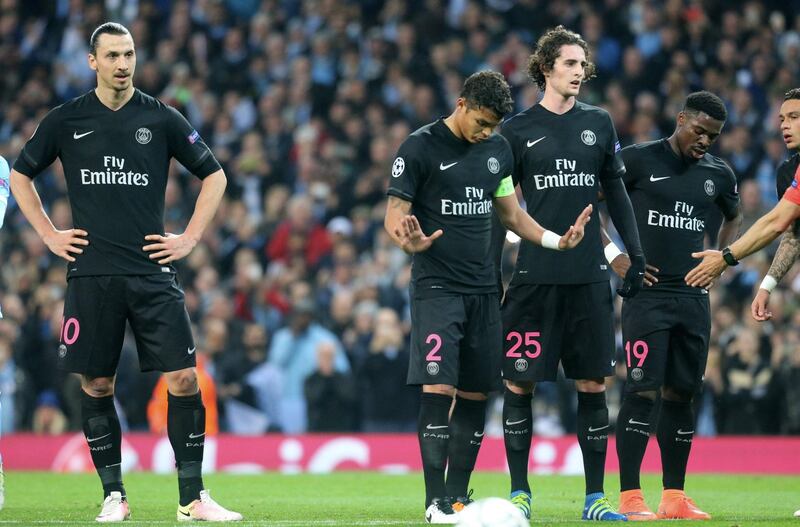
[768, 283]
[550, 240]
[612, 251]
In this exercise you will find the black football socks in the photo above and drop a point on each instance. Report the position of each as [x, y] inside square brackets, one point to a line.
[104, 437]
[466, 435]
[517, 434]
[433, 431]
[593, 428]
[633, 433]
[186, 427]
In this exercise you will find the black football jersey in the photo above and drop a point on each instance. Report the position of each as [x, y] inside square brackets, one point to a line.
[450, 184]
[115, 165]
[673, 201]
[559, 162]
[786, 172]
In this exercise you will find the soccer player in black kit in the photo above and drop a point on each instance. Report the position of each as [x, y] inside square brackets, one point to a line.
[446, 180]
[675, 186]
[558, 307]
[115, 144]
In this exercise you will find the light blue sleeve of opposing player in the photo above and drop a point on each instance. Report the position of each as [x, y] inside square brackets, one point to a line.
[5, 189]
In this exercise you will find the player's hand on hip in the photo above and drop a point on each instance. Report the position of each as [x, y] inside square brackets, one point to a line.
[759, 306]
[634, 277]
[66, 243]
[622, 263]
[169, 247]
[574, 235]
[707, 270]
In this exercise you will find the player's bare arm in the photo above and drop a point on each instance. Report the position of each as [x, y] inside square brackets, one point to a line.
[62, 243]
[404, 228]
[785, 256]
[171, 247]
[517, 220]
[761, 234]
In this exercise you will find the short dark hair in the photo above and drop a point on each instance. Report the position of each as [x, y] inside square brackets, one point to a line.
[548, 49]
[488, 89]
[706, 102]
[112, 28]
[794, 93]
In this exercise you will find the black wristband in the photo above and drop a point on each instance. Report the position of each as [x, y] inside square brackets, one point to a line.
[727, 255]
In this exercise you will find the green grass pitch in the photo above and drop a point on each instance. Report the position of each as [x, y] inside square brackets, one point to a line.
[366, 498]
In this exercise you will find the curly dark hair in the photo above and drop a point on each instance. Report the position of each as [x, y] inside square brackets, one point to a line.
[112, 28]
[706, 102]
[794, 93]
[488, 89]
[548, 49]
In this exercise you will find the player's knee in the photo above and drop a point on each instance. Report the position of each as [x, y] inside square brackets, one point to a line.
[441, 389]
[98, 386]
[647, 394]
[674, 394]
[473, 396]
[521, 387]
[182, 382]
[591, 385]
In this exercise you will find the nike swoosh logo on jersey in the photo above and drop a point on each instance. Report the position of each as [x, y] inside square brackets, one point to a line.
[598, 429]
[191, 350]
[431, 427]
[442, 166]
[478, 434]
[195, 436]
[510, 423]
[76, 135]
[631, 421]
[654, 179]
[685, 432]
[531, 143]
[93, 439]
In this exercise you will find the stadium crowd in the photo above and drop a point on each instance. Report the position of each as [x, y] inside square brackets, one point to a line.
[299, 298]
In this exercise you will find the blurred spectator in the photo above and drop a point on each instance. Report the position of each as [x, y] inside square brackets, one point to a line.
[330, 395]
[388, 404]
[294, 353]
[48, 419]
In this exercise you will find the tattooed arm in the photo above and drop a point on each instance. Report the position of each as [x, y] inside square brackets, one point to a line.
[787, 253]
[404, 228]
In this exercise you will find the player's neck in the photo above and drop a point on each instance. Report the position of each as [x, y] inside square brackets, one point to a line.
[556, 103]
[673, 144]
[450, 122]
[114, 99]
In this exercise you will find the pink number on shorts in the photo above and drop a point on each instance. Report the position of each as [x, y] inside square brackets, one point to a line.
[437, 344]
[639, 351]
[530, 340]
[72, 325]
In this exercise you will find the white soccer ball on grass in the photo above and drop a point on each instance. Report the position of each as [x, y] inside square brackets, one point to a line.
[492, 512]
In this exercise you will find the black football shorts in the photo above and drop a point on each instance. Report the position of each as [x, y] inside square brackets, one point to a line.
[455, 340]
[665, 341]
[544, 324]
[96, 309]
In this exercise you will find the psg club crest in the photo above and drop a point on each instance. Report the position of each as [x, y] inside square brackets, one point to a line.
[494, 165]
[433, 368]
[709, 187]
[588, 137]
[637, 374]
[143, 136]
[398, 166]
[521, 365]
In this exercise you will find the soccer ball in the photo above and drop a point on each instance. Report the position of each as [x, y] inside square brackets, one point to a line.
[492, 512]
